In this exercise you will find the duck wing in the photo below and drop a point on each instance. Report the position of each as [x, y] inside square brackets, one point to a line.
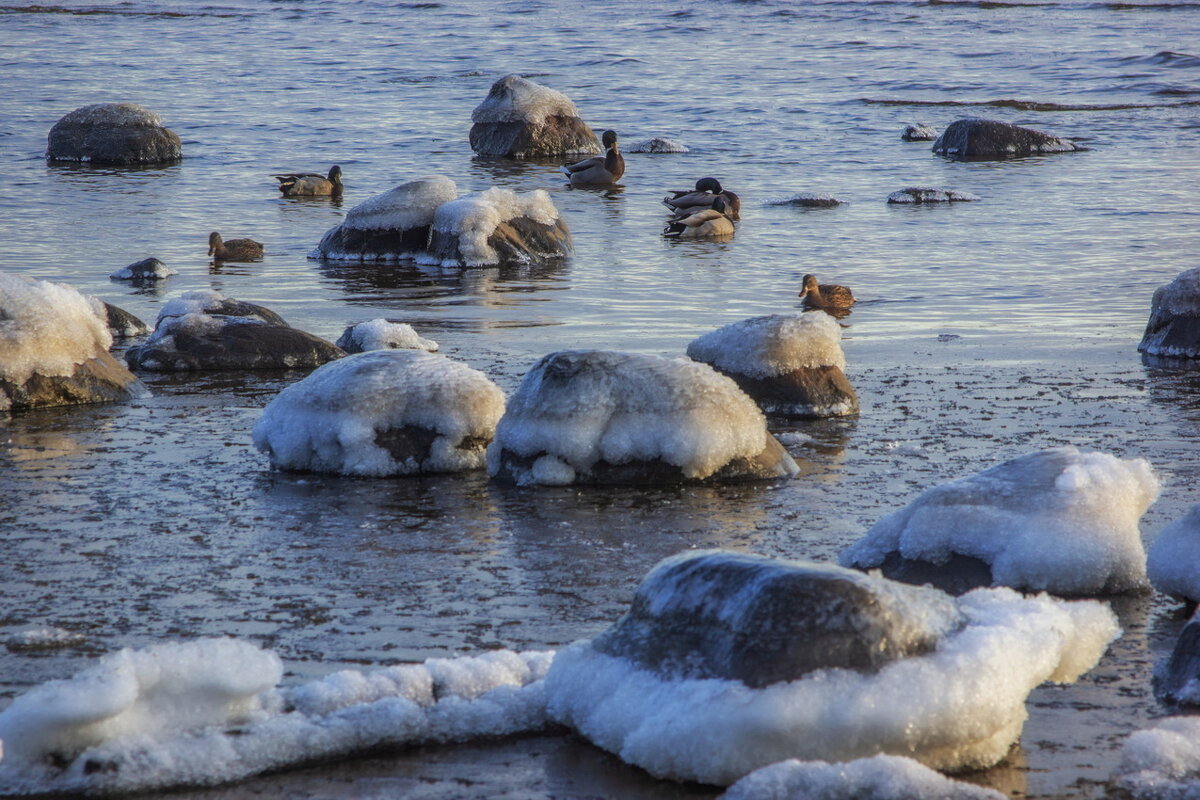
[580, 166]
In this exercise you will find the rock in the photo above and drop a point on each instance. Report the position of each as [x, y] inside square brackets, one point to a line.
[659, 144]
[1173, 562]
[389, 226]
[1177, 681]
[790, 364]
[521, 119]
[496, 227]
[119, 134]
[121, 324]
[148, 270]
[54, 348]
[925, 194]
[1173, 330]
[384, 412]
[983, 139]
[380, 334]
[605, 417]
[807, 200]
[215, 304]
[920, 132]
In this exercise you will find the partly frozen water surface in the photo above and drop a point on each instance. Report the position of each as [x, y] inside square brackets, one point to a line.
[984, 330]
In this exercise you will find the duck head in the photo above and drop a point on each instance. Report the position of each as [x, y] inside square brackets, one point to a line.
[609, 139]
[708, 185]
[335, 174]
[214, 241]
[809, 285]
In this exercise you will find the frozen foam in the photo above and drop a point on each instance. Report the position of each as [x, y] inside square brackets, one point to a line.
[515, 99]
[46, 328]
[877, 778]
[474, 217]
[766, 347]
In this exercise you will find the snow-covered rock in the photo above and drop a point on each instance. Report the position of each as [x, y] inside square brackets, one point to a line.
[1057, 520]
[597, 416]
[1173, 330]
[54, 348]
[497, 226]
[976, 138]
[389, 226]
[113, 133]
[383, 412]
[947, 685]
[523, 119]
[926, 194]
[791, 364]
[148, 270]
[918, 132]
[1173, 563]
[876, 778]
[381, 334]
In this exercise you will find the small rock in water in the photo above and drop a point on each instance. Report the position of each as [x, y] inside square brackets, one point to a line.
[984, 139]
[148, 269]
[1173, 330]
[382, 334]
[919, 132]
[807, 200]
[659, 145]
[925, 194]
[43, 638]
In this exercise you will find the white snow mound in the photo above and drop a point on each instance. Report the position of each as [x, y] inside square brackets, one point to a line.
[876, 778]
[766, 347]
[409, 205]
[1163, 762]
[474, 217]
[1173, 563]
[46, 328]
[515, 99]
[380, 334]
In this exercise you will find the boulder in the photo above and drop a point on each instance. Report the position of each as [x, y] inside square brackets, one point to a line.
[1173, 562]
[791, 364]
[1177, 681]
[605, 417]
[120, 134]
[659, 144]
[121, 324]
[497, 227]
[807, 200]
[148, 270]
[985, 139]
[389, 226]
[925, 194]
[381, 334]
[215, 304]
[521, 119]
[1173, 330]
[919, 132]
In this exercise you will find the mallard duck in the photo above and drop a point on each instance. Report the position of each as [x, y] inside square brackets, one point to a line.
[234, 249]
[825, 295]
[309, 184]
[705, 223]
[706, 192]
[598, 170]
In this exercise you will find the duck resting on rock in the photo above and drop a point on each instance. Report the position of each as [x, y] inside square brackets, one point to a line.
[703, 223]
[703, 196]
[825, 295]
[598, 170]
[234, 249]
[310, 184]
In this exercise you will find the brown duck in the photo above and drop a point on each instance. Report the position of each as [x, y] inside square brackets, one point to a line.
[825, 295]
[234, 249]
[310, 184]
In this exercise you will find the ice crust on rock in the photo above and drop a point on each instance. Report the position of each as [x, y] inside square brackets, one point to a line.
[46, 328]
[42, 638]
[918, 132]
[807, 200]
[658, 144]
[1173, 330]
[1163, 762]
[473, 218]
[522, 100]
[1057, 520]
[389, 226]
[880, 777]
[214, 304]
[765, 347]
[148, 269]
[339, 419]
[1173, 563]
[382, 334]
[209, 711]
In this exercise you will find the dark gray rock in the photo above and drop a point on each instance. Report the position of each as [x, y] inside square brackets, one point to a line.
[120, 134]
[814, 392]
[204, 342]
[1177, 681]
[1173, 330]
[521, 119]
[988, 139]
[920, 132]
[926, 194]
[101, 379]
[148, 270]
[123, 324]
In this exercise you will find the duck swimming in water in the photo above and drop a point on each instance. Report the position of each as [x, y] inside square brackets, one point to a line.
[598, 170]
[703, 223]
[703, 196]
[234, 249]
[825, 295]
[309, 184]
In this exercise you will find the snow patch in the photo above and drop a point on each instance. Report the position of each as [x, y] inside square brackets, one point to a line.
[1162, 762]
[46, 328]
[474, 217]
[766, 347]
[877, 778]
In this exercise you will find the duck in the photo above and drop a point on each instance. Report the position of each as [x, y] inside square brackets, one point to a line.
[704, 223]
[825, 295]
[598, 170]
[309, 184]
[706, 191]
[234, 249]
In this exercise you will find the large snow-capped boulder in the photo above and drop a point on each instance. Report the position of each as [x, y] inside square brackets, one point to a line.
[1173, 563]
[382, 334]
[844, 667]
[597, 416]
[522, 119]
[204, 330]
[975, 138]
[497, 226]
[876, 778]
[54, 348]
[389, 226]
[383, 412]
[113, 133]
[1057, 520]
[1173, 330]
[791, 364]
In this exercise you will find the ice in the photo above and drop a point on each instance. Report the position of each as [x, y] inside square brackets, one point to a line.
[877, 778]
[380, 334]
[474, 217]
[332, 420]
[1173, 563]
[1058, 520]
[207, 712]
[765, 347]
[1163, 762]
[409, 205]
[46, 328]
[515, 99]
[659, 144]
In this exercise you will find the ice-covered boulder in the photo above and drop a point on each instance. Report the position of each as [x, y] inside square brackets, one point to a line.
[1173, 330]
[1057, 520]
[926, 194]
[659, 144]
[383, 412]
[875, 778]
[113, 133]
[497, 226]
[54, 348]
[148, 270]
[918, 132]
[975, 138]
[381, 334]
[389, 226]
[1173, 563]
[791, 364]
[522, 119]
[1161, 763]
[875, 667]
[204, 330]
[596, 416]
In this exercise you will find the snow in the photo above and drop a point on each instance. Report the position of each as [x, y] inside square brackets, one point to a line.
[1173, 563]
[1058, 520]
[958, 707]
[380, 334]
[46, 328]
[581, 407]
[880, 777]
[659, 144]
[766, 347]
[1162, 762]
[409, 205]
[329, 421]
[515, 99]
[926, 194]
[208, 711]
[474, 217]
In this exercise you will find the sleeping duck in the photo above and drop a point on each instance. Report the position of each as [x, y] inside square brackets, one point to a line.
[706, 192]
[234, 249]
[825, 295]
[704, 223]
[308, 184]
[598, 170]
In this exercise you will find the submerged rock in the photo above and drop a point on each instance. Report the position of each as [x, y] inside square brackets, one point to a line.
[659, 144]
[389, 226]
[522, 119]
[1177, 681]
[1173, 563]
[147, 270]
[1173, 330]
[381, 334]
[925, 194]
[920, 132]
[120, 134]
[495, 227]
[790, 364]
[597, 416]
[807, 200]
[975, 138]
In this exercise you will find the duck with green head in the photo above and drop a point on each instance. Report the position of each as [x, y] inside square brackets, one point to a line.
[310, 184]
[598, 170]
[703, 196]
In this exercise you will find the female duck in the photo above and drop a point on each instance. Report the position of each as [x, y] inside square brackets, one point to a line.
[308, 184]
[703, 196]
[825, 295]
[234, 249]
[598, 170]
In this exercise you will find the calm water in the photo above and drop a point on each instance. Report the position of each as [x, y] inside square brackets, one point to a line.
[985, 330]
